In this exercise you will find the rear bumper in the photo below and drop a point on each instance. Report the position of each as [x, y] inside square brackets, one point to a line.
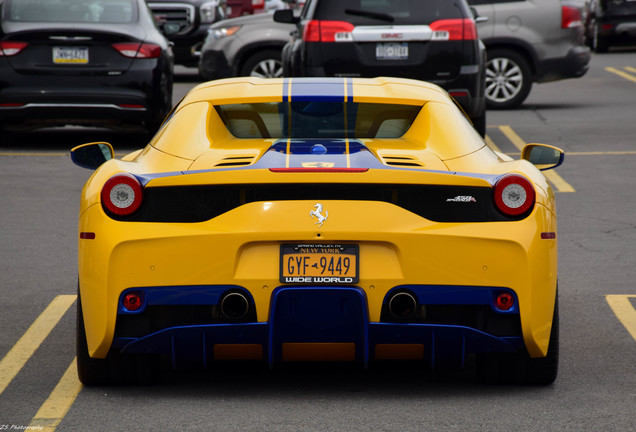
[574, 65]
[123, 97]
[320, 323]
[241, 249]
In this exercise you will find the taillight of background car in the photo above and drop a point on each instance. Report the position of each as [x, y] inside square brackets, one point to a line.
[570, 17]
[11, 48]
[138, 50]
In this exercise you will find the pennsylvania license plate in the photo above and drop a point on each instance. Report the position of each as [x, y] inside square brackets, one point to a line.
[319, 264]
[76, 55]
[392, 51]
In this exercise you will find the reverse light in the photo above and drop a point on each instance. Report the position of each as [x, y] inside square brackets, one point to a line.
[11, 48]
[133, 301]
[122, 194]
[454, 29]
[504, 301]
[514, 195]
[570, 17]
[138, 50]
[327, 31]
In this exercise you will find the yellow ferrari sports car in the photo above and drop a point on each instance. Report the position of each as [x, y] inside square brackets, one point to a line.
[317, 219]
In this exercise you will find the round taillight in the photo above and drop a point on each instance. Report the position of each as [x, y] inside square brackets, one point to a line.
[514, 195]
[132, 301]
[504, 301]
[122, 194]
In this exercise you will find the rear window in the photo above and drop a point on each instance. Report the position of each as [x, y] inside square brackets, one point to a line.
[317, 119]
[378, 12]
[74, 11]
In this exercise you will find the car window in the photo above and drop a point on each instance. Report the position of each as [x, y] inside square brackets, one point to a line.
[377, 12]
[317, 119]
[81, 11]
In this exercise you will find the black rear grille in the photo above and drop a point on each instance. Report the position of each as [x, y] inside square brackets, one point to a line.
[174, 13]
[201, 203]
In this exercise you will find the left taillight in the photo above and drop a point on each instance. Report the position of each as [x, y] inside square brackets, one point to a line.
[122, 194]
[11, 48]
[514, 195]
[138, 50]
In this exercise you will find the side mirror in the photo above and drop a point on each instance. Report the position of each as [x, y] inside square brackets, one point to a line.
[543, 156]
[92, 155]
[286, 16]
[478, 19]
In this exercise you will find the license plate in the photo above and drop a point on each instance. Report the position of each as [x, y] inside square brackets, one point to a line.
[319, 264]
[392, 51]
[76, 55]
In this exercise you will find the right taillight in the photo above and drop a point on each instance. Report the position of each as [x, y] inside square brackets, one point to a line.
[11, 48]
[122, 194]
[570, 17]
[514, 195]
[454, 29]
[138, 50]
[327, 31]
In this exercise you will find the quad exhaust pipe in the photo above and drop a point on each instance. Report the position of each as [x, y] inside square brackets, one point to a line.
[234, 306]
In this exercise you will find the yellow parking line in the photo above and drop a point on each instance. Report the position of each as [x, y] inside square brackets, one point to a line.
[22, 351]
[621, 74]
[558, 182]
[59, 402]
[624, 311]
[492, 144]
[631, 69]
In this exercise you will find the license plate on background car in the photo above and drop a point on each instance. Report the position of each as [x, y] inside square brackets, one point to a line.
[319, 264]
[392, 51]
[78, 55]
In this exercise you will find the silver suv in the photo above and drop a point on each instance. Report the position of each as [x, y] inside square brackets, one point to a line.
[529, 41]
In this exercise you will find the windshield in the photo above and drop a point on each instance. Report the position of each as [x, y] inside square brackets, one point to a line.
[317, 119]
[378, 12]
[75, 11]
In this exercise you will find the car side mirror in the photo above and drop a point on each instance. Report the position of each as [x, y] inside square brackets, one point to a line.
[286, 16]
[543, 156]
[92, 155]
[477, 17]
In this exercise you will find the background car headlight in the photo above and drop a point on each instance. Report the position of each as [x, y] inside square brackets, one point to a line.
[219, 33]
[208, 12]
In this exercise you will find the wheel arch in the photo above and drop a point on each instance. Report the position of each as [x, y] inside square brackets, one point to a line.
[520, 47]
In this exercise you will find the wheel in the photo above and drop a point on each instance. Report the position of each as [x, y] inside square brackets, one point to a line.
[508, 79]
[543, 371]
[599, 42]
[89, 370]
[520, 368]
[264, 64]
[115, 368]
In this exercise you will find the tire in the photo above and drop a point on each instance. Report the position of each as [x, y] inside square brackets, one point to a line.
[600, 43]
[520, 368]
[90, 371]
[115, 368]
[508, 79]
[264, 64]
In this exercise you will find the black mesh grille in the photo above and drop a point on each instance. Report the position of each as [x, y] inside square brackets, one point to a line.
[201, 203]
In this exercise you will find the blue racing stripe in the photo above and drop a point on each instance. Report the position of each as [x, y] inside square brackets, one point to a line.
[317, 89]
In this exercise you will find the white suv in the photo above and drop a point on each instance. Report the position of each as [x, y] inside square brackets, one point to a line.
[529, 41]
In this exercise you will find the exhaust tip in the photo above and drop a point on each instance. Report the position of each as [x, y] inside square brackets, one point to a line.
[234, 306]
[402, 306]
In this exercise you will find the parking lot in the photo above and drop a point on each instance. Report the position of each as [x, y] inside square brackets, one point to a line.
[591, 118]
